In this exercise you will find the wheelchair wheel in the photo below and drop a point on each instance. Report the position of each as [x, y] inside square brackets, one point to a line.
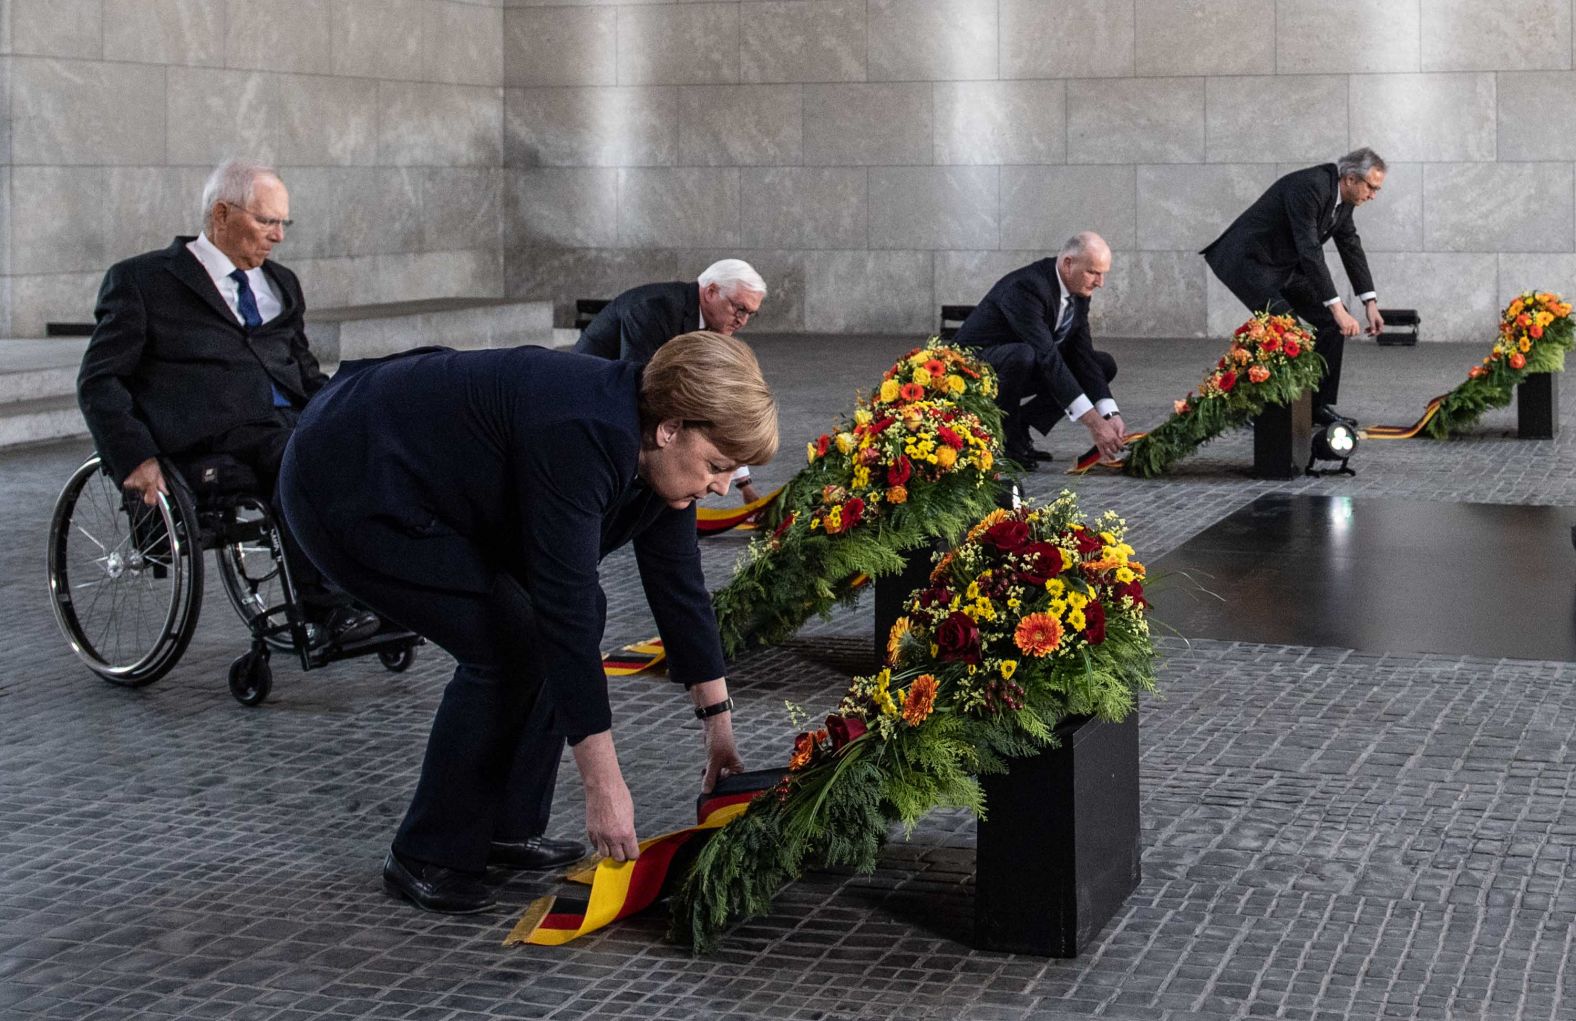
[125, 579]
[398, 660]
[251, 678]
[252, 579]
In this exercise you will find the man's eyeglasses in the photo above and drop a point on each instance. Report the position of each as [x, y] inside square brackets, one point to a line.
[742, 311]
[267, 222]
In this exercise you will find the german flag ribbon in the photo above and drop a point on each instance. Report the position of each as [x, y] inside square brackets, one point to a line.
[714, 521]
[1403, 432]
[634, 658]
[622, 888]
[1091, 458]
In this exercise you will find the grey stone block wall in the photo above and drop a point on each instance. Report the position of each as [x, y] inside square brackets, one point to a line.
[384, 116]
[876, 157]
[882, 157]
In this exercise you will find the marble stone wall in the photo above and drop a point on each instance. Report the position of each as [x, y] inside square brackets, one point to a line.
[878, 158]
[384, 116]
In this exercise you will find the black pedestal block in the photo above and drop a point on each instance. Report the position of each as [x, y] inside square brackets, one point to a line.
[893, 590]
[1538, 407]
[1058, 850]
[1283, 439]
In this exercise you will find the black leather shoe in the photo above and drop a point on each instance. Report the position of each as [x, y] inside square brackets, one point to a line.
[534, 853]
[436, 888]
[347, 624]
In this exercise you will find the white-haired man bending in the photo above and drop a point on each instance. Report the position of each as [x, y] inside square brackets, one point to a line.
[634, 324]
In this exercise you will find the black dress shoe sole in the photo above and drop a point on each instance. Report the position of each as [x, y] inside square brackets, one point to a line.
[396, 890]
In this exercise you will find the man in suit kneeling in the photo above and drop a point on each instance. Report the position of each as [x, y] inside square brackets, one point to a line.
[1033, 328]
[1272, 258]
[200, 349]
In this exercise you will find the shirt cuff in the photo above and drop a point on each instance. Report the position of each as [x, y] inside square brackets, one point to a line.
[1367, 296]
[1332, 301]
[1076, 409]
[1106, 407]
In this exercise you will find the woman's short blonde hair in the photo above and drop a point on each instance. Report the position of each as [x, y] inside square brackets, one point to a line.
[712, 381]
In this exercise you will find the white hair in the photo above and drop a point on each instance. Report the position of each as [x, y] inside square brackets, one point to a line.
[233, 182]
[732, 274]
[1080, 243]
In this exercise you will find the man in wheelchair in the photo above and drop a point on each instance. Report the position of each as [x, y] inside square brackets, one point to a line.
[199, 356]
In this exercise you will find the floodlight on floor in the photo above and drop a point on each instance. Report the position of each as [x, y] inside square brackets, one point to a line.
[1334, 441]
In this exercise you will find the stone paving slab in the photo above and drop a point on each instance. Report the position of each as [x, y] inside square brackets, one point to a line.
[1326, 834]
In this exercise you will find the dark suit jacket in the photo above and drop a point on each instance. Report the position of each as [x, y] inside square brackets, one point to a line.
[642, 319]
[170, 366]
[468, 463]
[1283, 234]
[1021, 309]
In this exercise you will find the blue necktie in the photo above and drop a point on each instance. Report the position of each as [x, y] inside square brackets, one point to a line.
[246, 304]
[1059, 333]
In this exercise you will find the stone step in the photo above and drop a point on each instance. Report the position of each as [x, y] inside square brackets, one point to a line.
[33, 369]
[371, 331]
[41, 420]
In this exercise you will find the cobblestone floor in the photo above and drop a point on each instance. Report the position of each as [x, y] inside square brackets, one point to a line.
[1326, 834]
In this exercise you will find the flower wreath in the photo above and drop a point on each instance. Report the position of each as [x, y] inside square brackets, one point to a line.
[904, 469]
[1036, 616]
[1271, 361]
[1535, 331]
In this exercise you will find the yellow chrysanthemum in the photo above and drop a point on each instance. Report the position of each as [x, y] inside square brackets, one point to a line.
[946, 457]
[1008, 668]
[861, 477]
[1055, 586]
[1076, 621]
[845, 442]
[1076, 599]
[863, 417]
[1125, 574]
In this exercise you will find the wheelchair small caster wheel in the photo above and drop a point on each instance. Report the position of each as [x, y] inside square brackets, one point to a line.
[398, 660]
[251, 678]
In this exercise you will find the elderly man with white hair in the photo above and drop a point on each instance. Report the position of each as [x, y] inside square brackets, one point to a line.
[642, 319]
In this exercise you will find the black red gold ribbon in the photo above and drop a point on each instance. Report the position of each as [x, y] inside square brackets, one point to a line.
[713, 521]
[634, 658]
[1403, 432]
[620, 889]
[1091, 458]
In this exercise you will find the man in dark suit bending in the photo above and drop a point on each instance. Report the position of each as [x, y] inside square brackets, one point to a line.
[633, 325]
[1033, 328]
[1272, 257]
[199, 349]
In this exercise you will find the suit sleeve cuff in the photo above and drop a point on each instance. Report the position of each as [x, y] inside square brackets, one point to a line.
[1076, 409]
[1367, 296]
[1106, 407]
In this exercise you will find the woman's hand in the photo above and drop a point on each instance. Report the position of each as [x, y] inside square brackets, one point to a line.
[610, 811]
[722, 755]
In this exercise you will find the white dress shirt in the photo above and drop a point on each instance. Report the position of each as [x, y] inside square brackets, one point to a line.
[220, 267]
[1105, 406]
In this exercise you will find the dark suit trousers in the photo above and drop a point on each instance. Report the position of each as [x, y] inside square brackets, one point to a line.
[1023, 389]
[260, 446]
[492, 759]
[1261, 289]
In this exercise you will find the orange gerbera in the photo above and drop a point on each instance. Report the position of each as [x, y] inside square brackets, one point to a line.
[900, 628]
[920, 700]
[1038, 634]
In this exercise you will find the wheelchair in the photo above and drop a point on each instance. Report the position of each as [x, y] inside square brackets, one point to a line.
[126, 579]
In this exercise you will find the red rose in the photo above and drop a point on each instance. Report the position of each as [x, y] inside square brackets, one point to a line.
[900, 471]
[880, 424]
[1271, 343]
[822, 445]
[1010, 536]
[853, 510]
[1132, 589]
[1239, 331]
[1044, 562]
[949, 437]
[1227, 381]
[1094, 622]
[843, 729]
[1293, 349]
[958, 639]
